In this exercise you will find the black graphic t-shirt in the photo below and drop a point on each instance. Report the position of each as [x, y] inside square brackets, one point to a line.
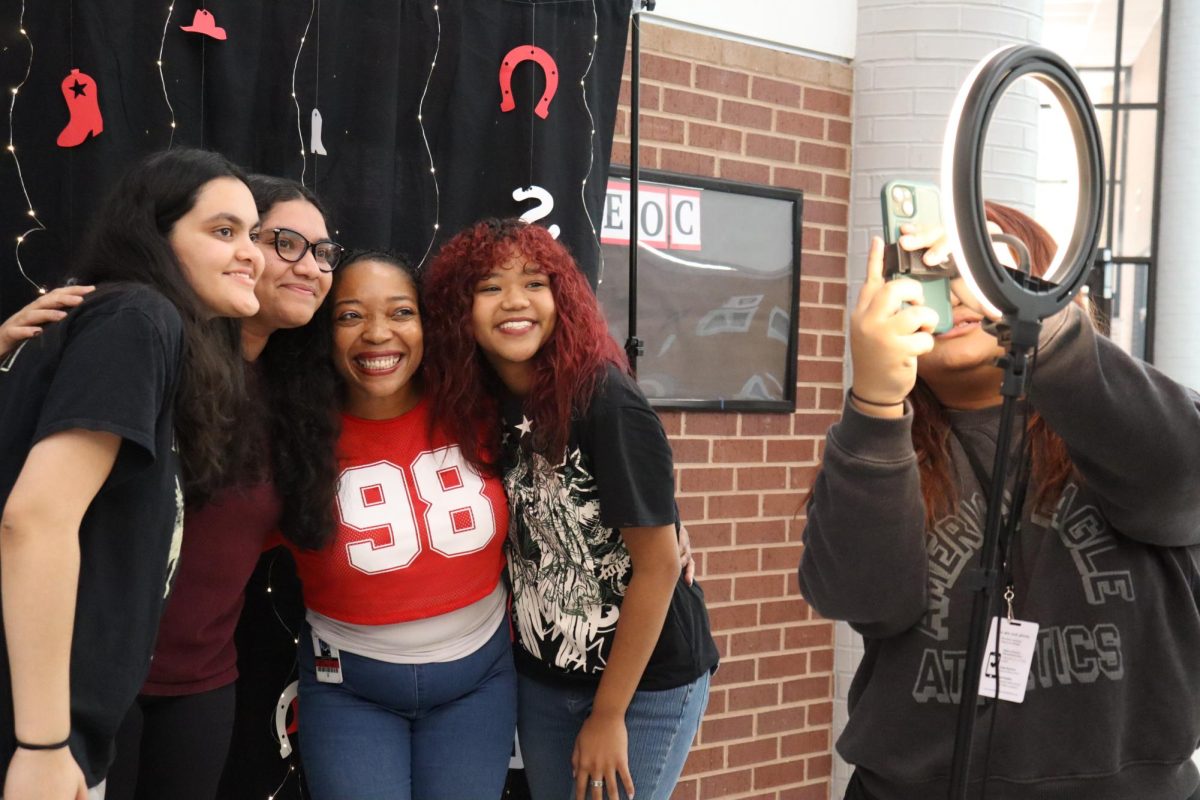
[567, 560]
[111, 365]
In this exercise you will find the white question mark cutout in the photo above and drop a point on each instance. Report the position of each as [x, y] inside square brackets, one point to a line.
[540, 211]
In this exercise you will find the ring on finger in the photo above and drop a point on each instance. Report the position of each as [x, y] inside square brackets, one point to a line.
[598, 783]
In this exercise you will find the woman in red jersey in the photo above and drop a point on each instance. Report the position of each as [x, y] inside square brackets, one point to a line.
[407, 686]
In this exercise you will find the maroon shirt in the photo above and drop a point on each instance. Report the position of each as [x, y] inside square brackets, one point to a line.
[222, 541]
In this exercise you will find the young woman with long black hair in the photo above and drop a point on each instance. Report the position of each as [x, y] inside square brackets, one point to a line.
[106, 420]
[175, 739]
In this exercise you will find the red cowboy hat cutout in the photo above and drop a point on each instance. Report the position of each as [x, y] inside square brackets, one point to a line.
[204, 23]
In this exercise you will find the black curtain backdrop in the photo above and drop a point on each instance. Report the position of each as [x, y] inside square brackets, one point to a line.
[364, 64]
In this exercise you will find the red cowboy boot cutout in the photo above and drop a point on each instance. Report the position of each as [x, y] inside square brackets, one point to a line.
[528, 52]
[203, 22]
[83, 101]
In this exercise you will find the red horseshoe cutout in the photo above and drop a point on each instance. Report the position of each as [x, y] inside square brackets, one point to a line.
[528, 52]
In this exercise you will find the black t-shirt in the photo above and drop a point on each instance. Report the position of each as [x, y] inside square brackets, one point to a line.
[567, 561]
[112, 365]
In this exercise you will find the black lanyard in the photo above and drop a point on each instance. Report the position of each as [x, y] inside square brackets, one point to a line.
[1010, 524]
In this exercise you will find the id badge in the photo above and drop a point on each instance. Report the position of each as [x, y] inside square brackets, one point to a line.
[327, 661]
[1018, 640]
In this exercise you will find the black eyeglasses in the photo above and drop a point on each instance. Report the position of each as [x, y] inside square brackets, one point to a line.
[291, 246]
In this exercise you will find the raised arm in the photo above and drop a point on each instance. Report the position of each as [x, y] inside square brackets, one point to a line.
[1132, 432]
[864, 554]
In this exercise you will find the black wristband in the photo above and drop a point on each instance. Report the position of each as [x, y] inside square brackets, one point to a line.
[55, 746]
[865, 401]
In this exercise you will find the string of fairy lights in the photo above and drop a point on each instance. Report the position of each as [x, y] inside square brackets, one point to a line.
[162, 78]
[592, 138]
[291, 771]
[296, 641]
[437, 192]
[12, 151]
[532, 85]
[295, 100]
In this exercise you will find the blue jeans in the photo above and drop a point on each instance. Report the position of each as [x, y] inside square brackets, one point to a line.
[440, 731]
[661, 726]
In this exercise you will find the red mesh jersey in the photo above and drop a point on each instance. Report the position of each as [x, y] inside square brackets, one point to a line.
[420, 533]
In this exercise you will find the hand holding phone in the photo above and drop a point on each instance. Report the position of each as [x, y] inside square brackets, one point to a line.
[890, 328]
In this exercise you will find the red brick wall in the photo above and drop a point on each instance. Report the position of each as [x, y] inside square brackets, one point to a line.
[726, 109]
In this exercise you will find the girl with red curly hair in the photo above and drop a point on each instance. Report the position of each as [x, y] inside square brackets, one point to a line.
[613, 648]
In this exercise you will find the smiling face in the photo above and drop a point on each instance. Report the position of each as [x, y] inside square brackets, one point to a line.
[512, 317]
[214, 242]
[289, 293]
[377, 339]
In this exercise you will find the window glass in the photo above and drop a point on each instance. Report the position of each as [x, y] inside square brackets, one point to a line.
[1141, 44]
[717, 292]
[1128, 284]
[1099, 83]
[1085, 34]
[1133, 174]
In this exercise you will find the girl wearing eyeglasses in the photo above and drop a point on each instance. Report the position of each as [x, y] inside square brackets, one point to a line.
[174, 741]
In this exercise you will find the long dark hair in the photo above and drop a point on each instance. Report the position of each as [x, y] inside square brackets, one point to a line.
[304, 394]
[127, 243]
[1051, 466]
[567, 370]
[287, 429]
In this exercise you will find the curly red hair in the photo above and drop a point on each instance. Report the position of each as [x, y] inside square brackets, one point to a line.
[567, 370]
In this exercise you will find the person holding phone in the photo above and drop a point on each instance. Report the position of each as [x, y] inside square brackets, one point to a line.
[1105, 560]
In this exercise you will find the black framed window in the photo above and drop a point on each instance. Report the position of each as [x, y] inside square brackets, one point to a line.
[718, 289]
[1117, 46]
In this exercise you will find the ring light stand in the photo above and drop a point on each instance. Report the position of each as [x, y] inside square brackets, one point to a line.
[1019, 299]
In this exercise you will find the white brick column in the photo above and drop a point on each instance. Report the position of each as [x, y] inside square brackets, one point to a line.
[910, 60]
[1177, 292]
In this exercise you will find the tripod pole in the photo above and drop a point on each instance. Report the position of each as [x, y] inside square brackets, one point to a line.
[634, 346]
[1021, 337]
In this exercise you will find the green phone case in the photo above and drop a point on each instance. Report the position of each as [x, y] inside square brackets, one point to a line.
[927, 210]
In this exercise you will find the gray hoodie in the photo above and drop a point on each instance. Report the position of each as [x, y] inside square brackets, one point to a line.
[1112, 708]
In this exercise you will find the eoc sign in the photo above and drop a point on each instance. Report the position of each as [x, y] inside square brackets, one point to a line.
[669, 217]
[718, 289]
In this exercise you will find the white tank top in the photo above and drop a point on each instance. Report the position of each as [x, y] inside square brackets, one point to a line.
[445, 637]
